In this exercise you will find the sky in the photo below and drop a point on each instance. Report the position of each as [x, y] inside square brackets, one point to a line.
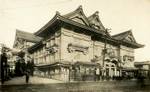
[118, 15]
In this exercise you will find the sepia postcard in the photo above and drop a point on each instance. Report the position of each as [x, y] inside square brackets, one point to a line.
[74, 46]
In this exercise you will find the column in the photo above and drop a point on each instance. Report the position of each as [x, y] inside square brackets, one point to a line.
[115, 71]
[110, 72]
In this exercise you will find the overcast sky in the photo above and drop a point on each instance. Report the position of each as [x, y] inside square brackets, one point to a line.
[119, 15]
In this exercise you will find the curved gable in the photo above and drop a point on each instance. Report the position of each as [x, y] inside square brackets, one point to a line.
[130, 38]
[95, 21]
[78, 16]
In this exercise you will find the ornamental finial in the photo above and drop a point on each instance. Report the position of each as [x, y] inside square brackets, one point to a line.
[57, 12]
[80, 7]
[97, 13]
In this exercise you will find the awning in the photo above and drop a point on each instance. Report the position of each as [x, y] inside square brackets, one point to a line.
[55, 64]
[130, 69]
[87, 64]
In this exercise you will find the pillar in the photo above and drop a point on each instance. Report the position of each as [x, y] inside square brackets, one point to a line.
[115, 71]
[110, 71]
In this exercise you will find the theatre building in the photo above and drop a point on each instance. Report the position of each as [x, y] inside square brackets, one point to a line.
[74, 47]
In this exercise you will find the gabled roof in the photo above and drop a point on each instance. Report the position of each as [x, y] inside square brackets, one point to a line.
[95, 22]
[58, 17]
[78, 15]
[142, 63]
[76, 18]
[27, 36]
[91, 24]
[122, 36]
[127, 38]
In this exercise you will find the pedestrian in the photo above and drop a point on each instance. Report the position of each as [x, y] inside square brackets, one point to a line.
[28, 71]
[32, 67]
[27, 76]
[3, 68]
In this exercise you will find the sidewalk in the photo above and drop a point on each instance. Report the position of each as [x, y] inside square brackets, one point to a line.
[32, 80]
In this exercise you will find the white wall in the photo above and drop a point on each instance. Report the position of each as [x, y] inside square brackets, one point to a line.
[129, 52]
[67, 37]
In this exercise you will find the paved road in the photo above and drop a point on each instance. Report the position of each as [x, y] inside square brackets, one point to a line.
[49, 85]
[32, 80]
[78, 87]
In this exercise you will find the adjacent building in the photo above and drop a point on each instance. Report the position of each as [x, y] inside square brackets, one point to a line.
[75, 47]
[143, 68]
[23, 40]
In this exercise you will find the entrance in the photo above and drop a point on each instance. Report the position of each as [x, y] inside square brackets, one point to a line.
[110, 69]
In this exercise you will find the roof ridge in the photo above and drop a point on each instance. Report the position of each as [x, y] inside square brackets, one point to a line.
[95, 13]
[27, 35]
[122, 33]
[18, 30]
[78, 10]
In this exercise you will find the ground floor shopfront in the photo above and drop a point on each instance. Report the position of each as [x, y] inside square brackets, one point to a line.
[79, 71]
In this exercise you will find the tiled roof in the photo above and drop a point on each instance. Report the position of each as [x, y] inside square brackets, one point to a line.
[94, 20]
[142, 63]
[122, 35]
[75, 18]
[27, 36]
[91, 24]
[80, 13]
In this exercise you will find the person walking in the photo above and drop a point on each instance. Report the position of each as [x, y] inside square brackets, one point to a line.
[27, 75]
[28, 71]
[3, 68]
[29, 68]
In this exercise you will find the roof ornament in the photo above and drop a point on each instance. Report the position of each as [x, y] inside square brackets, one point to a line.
[96, 13]
[57, 12]
[80, 6]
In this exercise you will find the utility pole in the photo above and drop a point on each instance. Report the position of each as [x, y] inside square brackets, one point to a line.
[104, 50]
[105, 45]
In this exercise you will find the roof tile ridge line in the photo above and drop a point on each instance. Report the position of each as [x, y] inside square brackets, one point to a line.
[133, 35]
[78, 10]
[95, 13]
[81, 9]
[75, 10]
[121, 33]
[56, 16]
[129, 31]
[79, 23]
[28, 33]
[84, 15]
[18, 30]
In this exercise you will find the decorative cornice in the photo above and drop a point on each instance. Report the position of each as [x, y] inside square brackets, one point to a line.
[76, 47]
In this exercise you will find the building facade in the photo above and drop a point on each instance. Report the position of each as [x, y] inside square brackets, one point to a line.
[74, 47]
[143, 69]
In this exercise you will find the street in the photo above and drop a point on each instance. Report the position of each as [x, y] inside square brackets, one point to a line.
[48, 85]
[32, 80]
